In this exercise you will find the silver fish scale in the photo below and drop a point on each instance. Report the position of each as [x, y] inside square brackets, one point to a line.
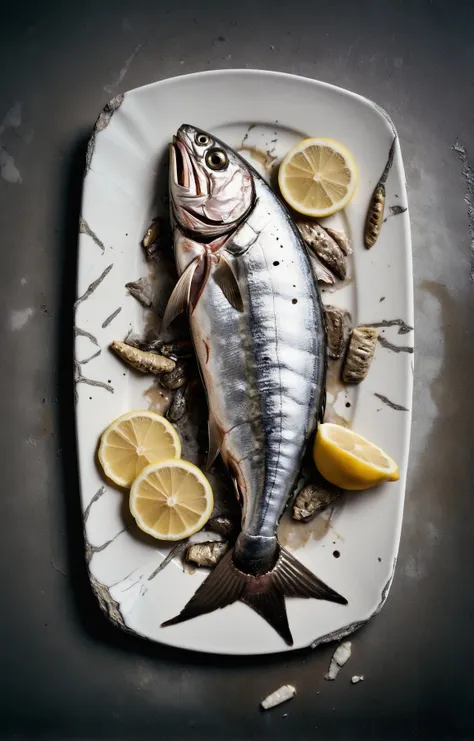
[264, 368]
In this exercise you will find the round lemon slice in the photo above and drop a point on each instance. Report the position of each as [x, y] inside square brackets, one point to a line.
[133, 441]
[318, 177]
[349, 460]
[171, 500]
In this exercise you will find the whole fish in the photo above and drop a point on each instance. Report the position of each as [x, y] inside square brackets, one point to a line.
[375, 211]
[258, 328]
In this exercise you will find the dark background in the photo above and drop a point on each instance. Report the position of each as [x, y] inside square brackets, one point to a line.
[65, 671]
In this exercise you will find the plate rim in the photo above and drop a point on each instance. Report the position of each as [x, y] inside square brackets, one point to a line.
[114, 103]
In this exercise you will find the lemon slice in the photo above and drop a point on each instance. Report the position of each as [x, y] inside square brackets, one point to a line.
[171, 500]
[318, 177]
[133, 441]
[349, 460]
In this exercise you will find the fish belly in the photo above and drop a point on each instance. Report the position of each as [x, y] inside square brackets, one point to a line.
[263, 368]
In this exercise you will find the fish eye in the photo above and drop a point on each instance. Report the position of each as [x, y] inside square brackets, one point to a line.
[202, 139]
[217, 159]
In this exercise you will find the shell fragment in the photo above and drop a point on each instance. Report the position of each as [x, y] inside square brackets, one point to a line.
[341, 655]
[280, 695]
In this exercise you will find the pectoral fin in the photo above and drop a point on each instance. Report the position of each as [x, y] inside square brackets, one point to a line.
[227, 282]
[321, 272]
[215, 442]
[179, 299]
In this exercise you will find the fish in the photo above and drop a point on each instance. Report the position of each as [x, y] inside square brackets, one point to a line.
[325, 247]
[337, 325]
[375, 211]
[152, 238]
[177, 408]
[257, 323]
[176, 349]
[145, 362]
[360, 353]
[321, 272]
[314, 499]
[175, 379]
[221, 525]
[340, 239]
[207, 553]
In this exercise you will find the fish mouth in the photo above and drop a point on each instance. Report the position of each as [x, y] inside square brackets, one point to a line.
[180, 164]
[186, 172]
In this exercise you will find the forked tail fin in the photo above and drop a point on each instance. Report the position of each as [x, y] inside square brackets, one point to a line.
[265, 594]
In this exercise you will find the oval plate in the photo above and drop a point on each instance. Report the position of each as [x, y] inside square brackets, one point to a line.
[125, 185]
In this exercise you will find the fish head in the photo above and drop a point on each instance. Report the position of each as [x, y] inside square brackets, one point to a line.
[211, 188]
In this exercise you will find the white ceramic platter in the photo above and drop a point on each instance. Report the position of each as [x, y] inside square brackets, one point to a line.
[124, 186]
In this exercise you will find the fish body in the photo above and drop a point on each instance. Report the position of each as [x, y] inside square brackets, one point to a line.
[375, 211]
[258, 327]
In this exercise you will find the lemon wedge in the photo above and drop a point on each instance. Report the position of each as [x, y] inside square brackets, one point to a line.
[349, 460]
[318, 177]
[171, 500]
[133, 441]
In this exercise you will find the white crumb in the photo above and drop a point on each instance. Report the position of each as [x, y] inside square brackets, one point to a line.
[339, 658]
[355, 679]
[280, 695]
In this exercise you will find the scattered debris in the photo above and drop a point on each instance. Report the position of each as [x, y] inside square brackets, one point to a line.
[93, 286]
[391, 404]
[141, 289]
[176, 551]
[111, 317]
[356, 679]
[280, 695]
[341, 655]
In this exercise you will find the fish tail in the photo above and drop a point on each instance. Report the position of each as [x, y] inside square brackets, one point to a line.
[265, 593]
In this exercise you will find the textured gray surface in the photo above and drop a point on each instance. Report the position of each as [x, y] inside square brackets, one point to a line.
[66, 671]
